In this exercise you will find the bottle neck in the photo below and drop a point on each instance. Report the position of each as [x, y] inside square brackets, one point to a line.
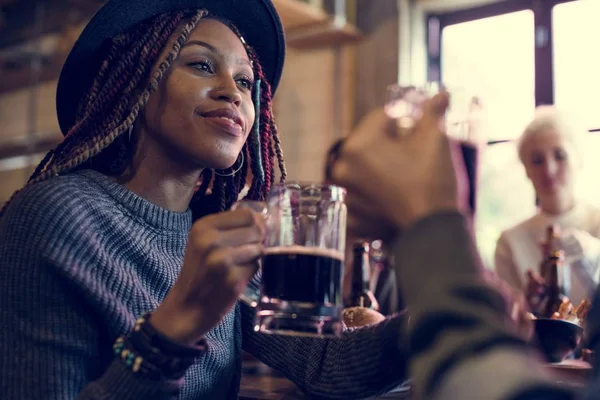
[360, 272]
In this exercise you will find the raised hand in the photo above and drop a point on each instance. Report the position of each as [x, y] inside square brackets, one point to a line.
[221, 257]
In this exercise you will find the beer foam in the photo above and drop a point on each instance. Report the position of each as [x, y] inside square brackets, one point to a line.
[307, 251]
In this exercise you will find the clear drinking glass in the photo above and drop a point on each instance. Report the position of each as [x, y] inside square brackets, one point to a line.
[405, 105]
[301, 272]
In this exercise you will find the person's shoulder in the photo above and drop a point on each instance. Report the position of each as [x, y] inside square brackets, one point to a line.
[520, 228]
[60, 223]
[47, 213]
[55, 199]
[590, 215]
[591, 211]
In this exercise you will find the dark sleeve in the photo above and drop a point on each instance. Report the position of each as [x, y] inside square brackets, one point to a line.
[593, 331]
[48, 336]
[362, 363]
[457, 332]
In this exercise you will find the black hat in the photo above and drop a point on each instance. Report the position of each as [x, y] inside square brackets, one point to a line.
[257, 21]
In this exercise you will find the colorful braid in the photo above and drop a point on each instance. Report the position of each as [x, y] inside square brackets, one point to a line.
[99, 140]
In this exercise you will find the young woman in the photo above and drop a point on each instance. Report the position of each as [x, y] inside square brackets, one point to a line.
[549, 150]
[120, 264]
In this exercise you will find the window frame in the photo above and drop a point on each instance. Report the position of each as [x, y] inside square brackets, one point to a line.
[543, 52]
[544, 61]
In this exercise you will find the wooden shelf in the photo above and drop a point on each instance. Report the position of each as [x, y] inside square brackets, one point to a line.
[15, 62]
[295, 14]
[58, 16]
[323, 35]
[22, 146]
[307, 27]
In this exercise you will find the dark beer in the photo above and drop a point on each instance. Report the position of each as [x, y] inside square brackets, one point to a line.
[303, 274]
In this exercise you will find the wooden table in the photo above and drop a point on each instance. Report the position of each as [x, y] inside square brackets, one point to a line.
[260, 382]
[572, 372]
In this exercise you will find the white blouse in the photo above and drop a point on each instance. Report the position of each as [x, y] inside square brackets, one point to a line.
[519, 250]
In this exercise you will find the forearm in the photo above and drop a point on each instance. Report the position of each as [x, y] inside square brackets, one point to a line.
[458, 327]
[363, 363]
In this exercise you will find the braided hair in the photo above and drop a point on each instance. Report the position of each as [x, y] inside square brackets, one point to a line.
[121, 89]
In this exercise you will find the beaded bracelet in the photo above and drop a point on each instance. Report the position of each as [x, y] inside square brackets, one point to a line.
[148, 352]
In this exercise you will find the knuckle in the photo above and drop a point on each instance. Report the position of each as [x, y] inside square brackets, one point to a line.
[258, 226]
[225, 259]
[198, 227]
[206, 241]
[246, 215]
[218, 262]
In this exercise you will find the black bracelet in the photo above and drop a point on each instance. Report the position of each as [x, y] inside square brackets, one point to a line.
[147, 351]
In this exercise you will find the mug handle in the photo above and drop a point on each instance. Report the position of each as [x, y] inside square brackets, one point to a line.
[251, 296]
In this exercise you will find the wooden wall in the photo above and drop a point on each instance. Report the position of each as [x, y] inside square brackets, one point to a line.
[15, 109]
[306, 103]
[377, 54]
[323, 93]
[311, 112]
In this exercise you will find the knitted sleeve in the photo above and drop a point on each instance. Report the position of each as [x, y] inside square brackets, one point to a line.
[461, 347]
[48, 336]
[362, 363]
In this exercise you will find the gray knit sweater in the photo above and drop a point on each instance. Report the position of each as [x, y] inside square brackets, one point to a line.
[81, 257]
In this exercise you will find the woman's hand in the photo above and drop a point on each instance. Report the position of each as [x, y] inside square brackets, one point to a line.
[221, 257]
[578, 244]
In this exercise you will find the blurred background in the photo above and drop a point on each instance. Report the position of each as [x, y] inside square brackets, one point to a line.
[502, 57]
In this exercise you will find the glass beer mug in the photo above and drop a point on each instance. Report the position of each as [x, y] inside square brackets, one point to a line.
[301, 272]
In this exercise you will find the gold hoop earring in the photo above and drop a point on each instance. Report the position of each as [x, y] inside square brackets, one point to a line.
[232, 173]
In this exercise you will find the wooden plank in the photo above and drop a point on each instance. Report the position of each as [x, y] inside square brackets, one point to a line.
[17, 78]
[323, 35]
[379, 23]
[25, 147]
[295, 14]
[307, 107]
[12, 181]
[16, 110]
[57, 16]
[452, 5]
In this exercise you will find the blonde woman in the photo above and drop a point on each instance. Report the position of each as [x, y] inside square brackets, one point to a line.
[549, 149]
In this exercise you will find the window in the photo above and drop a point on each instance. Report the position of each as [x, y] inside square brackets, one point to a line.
[493, 59]
[577, 82]
[501, 54]
[576, 59]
